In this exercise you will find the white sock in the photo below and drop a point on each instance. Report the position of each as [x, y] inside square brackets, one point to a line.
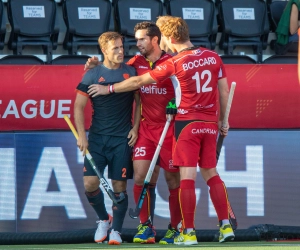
[188, 230]
[224, 222]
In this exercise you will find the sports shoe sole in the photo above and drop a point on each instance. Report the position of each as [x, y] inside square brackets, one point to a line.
[227, 237]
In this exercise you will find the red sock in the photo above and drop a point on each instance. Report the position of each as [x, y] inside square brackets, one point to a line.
[187, 199]
[218, 196]
[174, 207]
[145, 210]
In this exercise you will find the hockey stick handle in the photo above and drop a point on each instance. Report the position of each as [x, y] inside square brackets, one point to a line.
[102, 180]
[157, 150]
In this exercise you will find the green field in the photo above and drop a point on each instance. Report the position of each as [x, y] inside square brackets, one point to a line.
[260, 245]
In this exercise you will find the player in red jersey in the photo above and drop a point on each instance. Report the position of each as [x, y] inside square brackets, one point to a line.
[154, 100]
[199, 78]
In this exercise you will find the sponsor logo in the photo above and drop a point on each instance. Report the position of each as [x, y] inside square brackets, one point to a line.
[101, 79]
[152, 89]
[143, 67]
[126, 76]
[204, 131]
[198, 51]
[199, 63]
[182, 111]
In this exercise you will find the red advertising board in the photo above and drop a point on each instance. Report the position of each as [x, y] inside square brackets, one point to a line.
[37, 97]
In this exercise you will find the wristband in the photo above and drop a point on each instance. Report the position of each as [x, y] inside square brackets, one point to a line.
[111, 89]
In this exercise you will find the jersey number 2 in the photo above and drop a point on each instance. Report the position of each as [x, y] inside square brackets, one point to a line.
[204, 74]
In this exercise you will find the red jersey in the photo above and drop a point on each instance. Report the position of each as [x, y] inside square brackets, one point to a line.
[194, 73]
[154, 98]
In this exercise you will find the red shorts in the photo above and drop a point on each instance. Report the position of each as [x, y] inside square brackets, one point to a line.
[195, 142]
[147, 142]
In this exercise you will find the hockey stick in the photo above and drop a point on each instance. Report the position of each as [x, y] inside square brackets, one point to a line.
[232, 217]
[135, 213]
[103, 181]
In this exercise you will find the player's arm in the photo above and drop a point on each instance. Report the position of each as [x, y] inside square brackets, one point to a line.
[130, 84]
[79, 105]
[223, 99]
[133, 133]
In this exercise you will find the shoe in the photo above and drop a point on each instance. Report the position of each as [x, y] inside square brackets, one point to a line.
[185, 238]
[114, 238]
[169, 236]
[103, 226]
[145, 234]
[226, 233]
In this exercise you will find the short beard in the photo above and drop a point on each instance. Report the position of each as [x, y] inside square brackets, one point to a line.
[148, 52]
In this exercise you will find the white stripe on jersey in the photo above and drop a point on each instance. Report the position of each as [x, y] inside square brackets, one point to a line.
[177, 89]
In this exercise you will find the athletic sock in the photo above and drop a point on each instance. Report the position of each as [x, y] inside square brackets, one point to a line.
[218, 197]
[174, 207]
[145, 210]
[96, 200]
[187, 199]
[119, 212]
[152, 200]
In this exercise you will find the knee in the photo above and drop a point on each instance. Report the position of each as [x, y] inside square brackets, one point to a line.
[119, 186]
[173, 180]
[91, 183]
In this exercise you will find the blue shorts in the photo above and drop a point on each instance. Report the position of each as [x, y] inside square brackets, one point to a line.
[111, 151]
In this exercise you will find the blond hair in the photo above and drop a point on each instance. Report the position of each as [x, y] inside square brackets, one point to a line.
[108, 36]
[162, 20]
[176, 28]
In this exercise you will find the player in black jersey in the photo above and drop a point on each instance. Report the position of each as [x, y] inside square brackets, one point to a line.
[111, 134]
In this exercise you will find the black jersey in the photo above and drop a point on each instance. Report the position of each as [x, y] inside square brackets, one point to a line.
[111, 113]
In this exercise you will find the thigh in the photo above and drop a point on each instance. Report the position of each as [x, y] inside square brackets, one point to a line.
[144, 147]
[96, 145]
[119, 156]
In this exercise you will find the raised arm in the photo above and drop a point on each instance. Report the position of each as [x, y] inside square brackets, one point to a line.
[127, 85]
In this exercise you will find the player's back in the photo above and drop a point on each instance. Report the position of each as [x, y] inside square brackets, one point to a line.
[196, 75]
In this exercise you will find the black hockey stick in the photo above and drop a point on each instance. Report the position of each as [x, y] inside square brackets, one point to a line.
[232, 217]
[102, 180]
[135, 213]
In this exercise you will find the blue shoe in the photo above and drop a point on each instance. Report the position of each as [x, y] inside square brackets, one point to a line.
[169, 236]
[145, 234]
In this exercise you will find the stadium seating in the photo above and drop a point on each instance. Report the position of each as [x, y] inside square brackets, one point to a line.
[237, 59]
[2, 27]
[201, 18]
[128, 13]
[33, 24]
[70, 59]
[86, 20]
[21, 60]
[281, 59]
[276, 9]
[244, 23]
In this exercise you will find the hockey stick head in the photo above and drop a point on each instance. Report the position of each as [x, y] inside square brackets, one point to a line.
[116, 198]
[134, 213]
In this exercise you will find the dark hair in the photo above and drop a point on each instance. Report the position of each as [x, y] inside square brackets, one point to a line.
[152, 29]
